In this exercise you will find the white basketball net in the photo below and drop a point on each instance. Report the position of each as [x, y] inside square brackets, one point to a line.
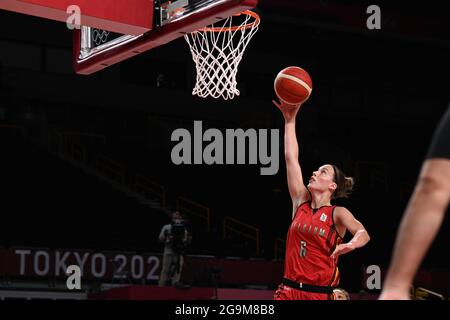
[217, 51]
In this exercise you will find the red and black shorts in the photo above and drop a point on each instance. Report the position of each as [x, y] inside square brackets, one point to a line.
[291, 290]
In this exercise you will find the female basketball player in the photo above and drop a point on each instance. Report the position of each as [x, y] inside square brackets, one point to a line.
[314, 238]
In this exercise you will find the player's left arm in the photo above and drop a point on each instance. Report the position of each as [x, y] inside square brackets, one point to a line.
[344, 218]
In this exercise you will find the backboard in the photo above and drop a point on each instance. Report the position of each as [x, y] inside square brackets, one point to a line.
[96, 49]
[128, 17]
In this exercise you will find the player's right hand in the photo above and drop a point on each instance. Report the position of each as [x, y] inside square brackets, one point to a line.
[289, 110]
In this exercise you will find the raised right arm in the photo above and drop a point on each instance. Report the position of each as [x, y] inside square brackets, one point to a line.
[297, 189]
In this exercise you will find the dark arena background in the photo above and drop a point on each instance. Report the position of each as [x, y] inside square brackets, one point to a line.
[88, 179]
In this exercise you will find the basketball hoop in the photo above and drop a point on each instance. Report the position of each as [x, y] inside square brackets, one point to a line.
[217, 51]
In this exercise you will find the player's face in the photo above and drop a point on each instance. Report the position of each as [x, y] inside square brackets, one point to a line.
[322, 179]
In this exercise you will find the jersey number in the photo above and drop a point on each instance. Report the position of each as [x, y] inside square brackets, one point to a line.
[302, 249]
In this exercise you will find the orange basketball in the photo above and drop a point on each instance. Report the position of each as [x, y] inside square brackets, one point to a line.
[293, 85]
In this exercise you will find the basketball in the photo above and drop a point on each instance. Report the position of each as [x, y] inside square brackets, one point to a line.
[293, 85]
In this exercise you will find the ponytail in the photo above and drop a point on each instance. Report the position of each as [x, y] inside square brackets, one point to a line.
[344, 184]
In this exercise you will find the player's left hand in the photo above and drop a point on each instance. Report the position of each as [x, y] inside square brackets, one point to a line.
[342, 249]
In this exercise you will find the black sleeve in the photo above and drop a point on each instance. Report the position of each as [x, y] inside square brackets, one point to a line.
[440, 145]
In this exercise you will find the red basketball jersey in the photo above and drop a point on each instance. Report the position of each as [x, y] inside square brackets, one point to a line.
[311, 239]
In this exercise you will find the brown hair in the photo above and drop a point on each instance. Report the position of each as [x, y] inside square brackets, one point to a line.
[344, 184]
